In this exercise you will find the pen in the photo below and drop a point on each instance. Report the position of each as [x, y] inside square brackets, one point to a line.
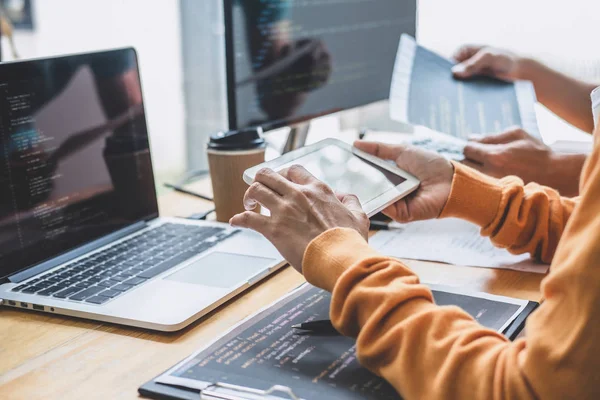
[381, 226]
[323, 326]
[182, 190]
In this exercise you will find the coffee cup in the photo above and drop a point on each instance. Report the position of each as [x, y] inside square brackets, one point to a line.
[229, 155]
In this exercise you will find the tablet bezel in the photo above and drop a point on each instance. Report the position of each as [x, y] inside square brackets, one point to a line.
[371, 207]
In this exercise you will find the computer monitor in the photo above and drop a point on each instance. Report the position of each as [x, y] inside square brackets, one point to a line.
[289, 61]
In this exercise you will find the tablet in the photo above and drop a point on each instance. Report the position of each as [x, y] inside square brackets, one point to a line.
[377, 183]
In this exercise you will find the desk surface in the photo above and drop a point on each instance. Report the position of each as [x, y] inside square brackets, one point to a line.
[53, 357]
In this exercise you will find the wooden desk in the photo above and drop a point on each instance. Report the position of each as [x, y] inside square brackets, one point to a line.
[52, 357]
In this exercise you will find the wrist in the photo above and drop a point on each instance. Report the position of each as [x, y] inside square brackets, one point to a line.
[564, 172]
[328, 256]
[526, 68]
[446, 188]
[474, 197]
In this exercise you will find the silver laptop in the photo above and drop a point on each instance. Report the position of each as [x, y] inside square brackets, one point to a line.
[80, 233]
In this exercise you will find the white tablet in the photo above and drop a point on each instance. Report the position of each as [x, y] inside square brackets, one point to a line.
[377, 183]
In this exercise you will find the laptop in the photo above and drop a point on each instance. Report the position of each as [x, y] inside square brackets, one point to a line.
[80, 232]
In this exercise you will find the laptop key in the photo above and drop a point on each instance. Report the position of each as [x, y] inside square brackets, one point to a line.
[108, 283]
[134, 281]
[110, 293]
[166, 265]
[19, 288]
[49, 291]
[83, 284]
[45, 284]
[89, 292]
[59, 286]
[97, 300]
[63, 294]
[122, 287]
[31, 289]
[119, 268]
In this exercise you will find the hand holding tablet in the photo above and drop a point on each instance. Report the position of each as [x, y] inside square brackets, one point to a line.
[298, 190]
[377, 183]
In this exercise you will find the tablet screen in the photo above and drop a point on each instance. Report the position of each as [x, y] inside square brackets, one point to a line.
[346, 172]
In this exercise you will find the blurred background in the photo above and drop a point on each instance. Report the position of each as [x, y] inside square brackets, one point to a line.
[181, 49]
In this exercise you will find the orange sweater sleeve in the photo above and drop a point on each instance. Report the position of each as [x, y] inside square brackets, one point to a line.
[521, 218]
[431, 352]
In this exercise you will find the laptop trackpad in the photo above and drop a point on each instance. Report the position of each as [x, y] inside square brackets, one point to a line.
[221, 269]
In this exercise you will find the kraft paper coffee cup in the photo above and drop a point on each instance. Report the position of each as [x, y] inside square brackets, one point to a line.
[229, 155]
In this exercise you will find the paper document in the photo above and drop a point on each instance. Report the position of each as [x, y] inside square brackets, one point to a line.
[452, 241]
[424, 92]
[264, 350]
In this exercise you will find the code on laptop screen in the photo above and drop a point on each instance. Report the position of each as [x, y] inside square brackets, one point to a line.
[74, 156]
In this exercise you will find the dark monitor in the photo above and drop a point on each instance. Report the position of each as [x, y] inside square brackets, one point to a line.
[74, 155]
[289, 61]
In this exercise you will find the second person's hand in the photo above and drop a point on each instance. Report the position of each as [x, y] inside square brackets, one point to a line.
[485, 60]
[515, 152]
[434, 171]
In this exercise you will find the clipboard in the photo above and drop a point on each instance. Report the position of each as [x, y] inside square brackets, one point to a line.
[171, 390]
[217, 391]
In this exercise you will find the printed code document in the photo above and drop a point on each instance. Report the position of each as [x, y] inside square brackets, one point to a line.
[264, 350]
[451, 241]
[424, 92]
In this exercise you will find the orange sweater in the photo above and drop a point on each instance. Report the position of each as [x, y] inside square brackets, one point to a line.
[431, 352]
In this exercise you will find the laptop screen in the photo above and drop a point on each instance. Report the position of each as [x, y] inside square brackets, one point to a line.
[74, 155]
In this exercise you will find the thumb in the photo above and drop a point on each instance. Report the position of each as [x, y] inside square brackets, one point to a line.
[381, 150]
[351, 202]
[508, 136]
[466, 52]
[473, 66]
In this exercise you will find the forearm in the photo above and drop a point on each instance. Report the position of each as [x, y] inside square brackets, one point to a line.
[567, 97]
[431, 352]
[522, 218]
[401, 334]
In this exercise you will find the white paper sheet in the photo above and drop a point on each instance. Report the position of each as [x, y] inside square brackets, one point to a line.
[452, 241]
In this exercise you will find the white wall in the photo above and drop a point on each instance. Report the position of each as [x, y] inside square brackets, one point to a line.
[563, 34]
[152, 27]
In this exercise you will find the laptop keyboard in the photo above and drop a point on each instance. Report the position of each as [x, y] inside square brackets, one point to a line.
[107, 274]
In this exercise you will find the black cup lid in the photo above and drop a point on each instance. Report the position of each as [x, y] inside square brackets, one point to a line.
[244, 139]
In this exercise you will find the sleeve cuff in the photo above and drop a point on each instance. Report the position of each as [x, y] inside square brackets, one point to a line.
[474, 196]
[331, 253]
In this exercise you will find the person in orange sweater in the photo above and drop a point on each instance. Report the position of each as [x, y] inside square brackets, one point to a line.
[430, 352]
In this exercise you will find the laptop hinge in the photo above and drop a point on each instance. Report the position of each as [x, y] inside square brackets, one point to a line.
[78, 252]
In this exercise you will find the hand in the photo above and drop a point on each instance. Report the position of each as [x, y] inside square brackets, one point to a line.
[484, 60]
[515, 152]
[302, 207]
[433, 170]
